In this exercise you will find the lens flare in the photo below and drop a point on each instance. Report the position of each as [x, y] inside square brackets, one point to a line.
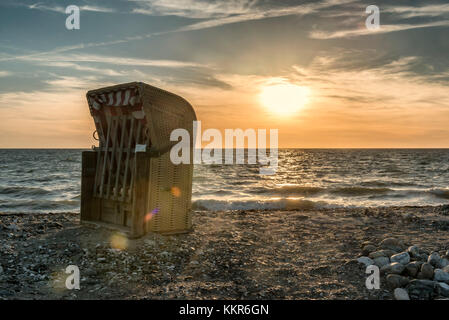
[151, 214]
[56, 282]
[176, 192]
[119, 241]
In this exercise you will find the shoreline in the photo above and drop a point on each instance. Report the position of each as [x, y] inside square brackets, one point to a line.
[251, 254]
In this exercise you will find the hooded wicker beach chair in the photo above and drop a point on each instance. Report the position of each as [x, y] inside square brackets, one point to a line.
[128, 181]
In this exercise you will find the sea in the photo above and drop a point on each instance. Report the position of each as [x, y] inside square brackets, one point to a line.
[48, 180]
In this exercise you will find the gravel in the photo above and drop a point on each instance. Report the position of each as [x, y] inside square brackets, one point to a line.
[306, 254]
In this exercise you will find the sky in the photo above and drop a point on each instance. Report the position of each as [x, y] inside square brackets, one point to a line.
[382, 88]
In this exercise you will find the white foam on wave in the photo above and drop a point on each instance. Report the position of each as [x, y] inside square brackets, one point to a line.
[276, 204]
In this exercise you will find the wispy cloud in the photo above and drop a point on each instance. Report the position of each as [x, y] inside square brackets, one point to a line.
[365, 32]
[195, 9]
[221, 13]
[119, 61]
[60, 9]
[134, 61]
[392, 85]
[96, 9]
[399, 17]
[78, 67]
[55, 55]
[63, 49]
[216, 14]
[43, 7]
[68, 82]
[432, 10]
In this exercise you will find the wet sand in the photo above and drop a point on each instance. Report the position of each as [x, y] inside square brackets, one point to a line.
[307, 254]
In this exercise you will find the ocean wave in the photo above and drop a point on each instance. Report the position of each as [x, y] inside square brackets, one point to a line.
[70, 160]
[39, 206]
[24, 191]
[296, 190]
[278, 204]
[388, 184]
[45, 178]
[440, 193]
[36, 180]
[359, 191]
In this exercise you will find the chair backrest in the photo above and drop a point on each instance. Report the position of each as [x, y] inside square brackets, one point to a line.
[136, 113]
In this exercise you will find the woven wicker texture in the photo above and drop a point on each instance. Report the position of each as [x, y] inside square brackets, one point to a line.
[137, 113]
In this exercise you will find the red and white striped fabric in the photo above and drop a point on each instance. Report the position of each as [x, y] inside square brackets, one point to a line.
[122, 98]
[116, 103]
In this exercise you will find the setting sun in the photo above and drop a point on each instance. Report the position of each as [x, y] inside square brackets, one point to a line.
[284, 99]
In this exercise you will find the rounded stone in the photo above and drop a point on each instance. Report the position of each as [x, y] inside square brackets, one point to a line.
[402, 258]
[368, 249]
[377, 254]
[443, 263]
[389, 252]
[413, 251]
[443, 289]
[412, 268]
[366, 261]
[423, 257]
[389, 242]
[396, 281]
[392, 244]
[426, 271]
[441, 276]
[392, 268]
[421, 289]
[434, 259]
[381, 261]
[401, 294]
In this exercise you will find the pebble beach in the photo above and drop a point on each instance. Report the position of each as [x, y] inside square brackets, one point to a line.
[240, 254]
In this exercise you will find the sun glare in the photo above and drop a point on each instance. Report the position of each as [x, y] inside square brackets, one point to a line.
[284, 99]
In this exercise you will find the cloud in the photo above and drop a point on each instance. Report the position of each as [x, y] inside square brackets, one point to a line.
[42, 7]
[199, 76]
[432, 10]
[96, 9]
[56, 56]
[400, 18]
[372, 104]
[218, 14]
[63, 49]
[194, 9]
[5, 73]
[60, 9]
[70, 65]
[391, 85]
[57, 118]
[221, 13]
[118, 61]
[322, 35]
[66, 82]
